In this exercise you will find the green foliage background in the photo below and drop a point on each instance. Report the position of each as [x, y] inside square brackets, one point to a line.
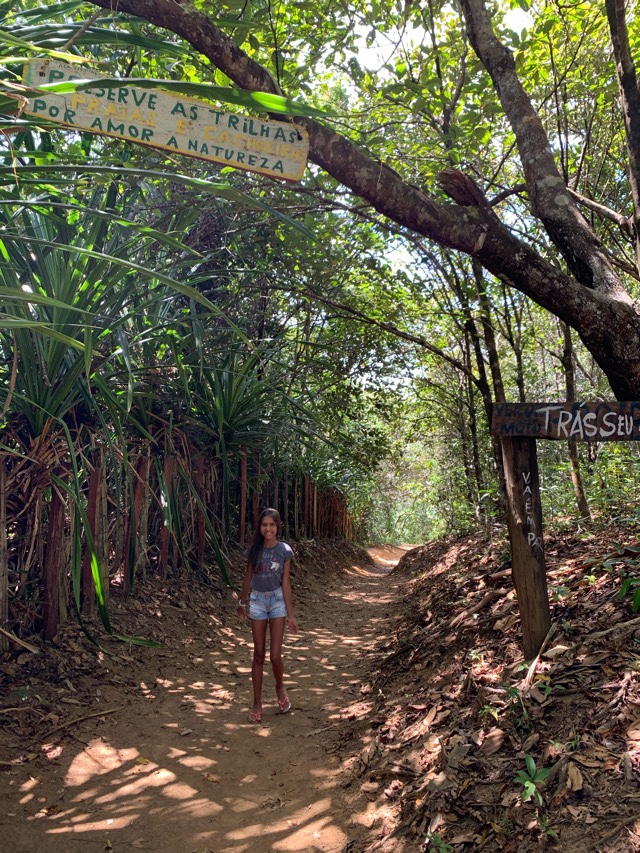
[357, 350]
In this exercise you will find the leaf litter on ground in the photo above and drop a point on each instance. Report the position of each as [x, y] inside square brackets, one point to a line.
[455, 701]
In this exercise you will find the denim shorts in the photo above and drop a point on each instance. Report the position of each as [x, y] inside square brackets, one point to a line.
[267, 605]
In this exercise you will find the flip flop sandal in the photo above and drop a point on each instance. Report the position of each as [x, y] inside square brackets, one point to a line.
[255, 717]
[284, 705]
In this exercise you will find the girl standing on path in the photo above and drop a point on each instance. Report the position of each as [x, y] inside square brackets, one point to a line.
[267, 588]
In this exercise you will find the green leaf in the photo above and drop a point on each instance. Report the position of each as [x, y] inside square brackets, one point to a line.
[263, 101]
[226, 191]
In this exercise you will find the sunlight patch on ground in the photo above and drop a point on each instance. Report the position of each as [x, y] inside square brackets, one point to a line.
[99, 758]
[197, 762]
[279, 776]
[300, 817]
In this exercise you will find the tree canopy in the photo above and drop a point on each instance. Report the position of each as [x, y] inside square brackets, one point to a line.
[564, 264]
[514, 119]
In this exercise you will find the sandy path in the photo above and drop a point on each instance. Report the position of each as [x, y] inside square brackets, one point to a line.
[178, 769]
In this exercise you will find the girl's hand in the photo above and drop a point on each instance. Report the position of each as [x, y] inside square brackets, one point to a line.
[293, 624]
[242, 611]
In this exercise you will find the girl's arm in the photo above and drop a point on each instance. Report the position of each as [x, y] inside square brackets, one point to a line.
[244, 595]
[288, 597]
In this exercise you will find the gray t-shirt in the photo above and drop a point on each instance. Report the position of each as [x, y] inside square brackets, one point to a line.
[267, 575]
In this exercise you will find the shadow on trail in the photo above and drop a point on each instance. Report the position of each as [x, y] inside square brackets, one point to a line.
[179, 769]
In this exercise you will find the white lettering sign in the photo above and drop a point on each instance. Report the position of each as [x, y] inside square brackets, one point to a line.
[579, 424]
[162, 120]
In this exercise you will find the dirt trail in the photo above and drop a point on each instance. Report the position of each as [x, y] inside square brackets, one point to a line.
[179, 769]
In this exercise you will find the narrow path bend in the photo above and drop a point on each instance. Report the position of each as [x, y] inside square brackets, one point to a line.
[180, 769]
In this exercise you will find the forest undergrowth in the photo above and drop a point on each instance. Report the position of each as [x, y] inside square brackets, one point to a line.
[481, 750]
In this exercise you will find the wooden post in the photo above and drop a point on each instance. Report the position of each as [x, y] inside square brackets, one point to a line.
[314, 516]
[285, 505]
[198, 475]
[132, 557]
[255, 502]
[306, 513]
[527, 546]
[276, 488]
[165, 532]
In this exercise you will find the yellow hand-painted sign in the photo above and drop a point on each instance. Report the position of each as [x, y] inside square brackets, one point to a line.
[161, 120]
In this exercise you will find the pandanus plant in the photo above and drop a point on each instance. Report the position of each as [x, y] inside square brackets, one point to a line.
[74, 279]
[68, 290]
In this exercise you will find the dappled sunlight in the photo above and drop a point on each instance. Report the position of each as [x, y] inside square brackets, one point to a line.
[197, 762]
[191, 758]
[271, 826]
[98, 759]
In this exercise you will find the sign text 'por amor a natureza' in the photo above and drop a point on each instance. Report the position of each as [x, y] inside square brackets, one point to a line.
[178, 124]
[610, 421]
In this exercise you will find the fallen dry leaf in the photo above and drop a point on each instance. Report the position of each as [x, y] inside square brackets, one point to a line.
[574, 777]
[592, 660]
[555, 652]
[537, 694]
[506, 623]
[493, 741]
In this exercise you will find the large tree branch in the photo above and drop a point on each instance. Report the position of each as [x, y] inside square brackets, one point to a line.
[469, 227]
[599, 311]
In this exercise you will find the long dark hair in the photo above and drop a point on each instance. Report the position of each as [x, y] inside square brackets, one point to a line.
[257, 543]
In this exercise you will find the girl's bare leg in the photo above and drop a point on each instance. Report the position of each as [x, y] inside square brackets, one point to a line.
[276, 636]
[259, 632]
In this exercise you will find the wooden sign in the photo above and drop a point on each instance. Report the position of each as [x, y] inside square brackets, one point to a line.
[519, 425]
[581, 421]
[161, 120]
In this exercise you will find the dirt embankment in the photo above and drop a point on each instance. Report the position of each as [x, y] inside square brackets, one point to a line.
[480, 750]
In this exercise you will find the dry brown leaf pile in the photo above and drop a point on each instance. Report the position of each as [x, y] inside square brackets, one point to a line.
[460, 719]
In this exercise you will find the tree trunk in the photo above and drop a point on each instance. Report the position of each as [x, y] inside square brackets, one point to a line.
[630, 99]
[576, 475]
[489, 336]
